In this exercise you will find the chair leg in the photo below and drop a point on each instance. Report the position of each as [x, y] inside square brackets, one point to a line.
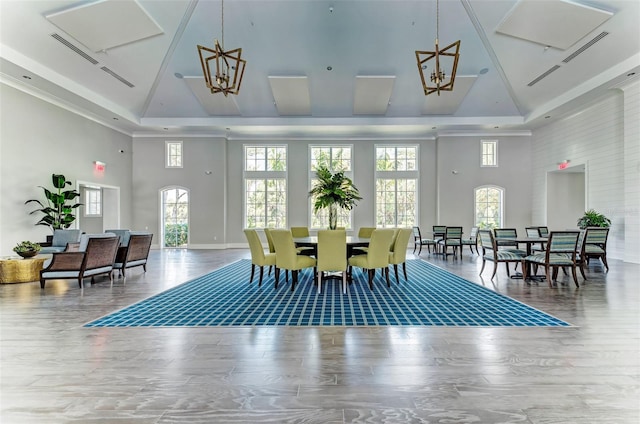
[42, 283]
[319, 282]
[547, 273]
[484, 262]
[415, 246]
[277, 277]
[404, 270]
[575, 275]
[371, 273]
[261, 274]
[253, 269]
[604, 261]
[386, 274]
[395, 270]
[294, 279]
[584, 277]
[344, 282]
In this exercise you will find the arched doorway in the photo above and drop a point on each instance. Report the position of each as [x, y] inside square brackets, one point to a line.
[175, 217]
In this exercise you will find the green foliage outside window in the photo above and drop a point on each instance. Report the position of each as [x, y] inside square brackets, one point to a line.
[175, 235]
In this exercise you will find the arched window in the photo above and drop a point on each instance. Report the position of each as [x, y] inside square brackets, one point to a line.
[175, 217]
[489, 201]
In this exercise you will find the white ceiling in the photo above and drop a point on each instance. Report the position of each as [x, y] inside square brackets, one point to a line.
[134, 66]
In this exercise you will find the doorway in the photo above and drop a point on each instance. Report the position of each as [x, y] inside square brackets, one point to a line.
[566, 197]
[100, 208]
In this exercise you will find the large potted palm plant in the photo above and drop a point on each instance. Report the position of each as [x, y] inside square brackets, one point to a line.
[59, 209]
[333, 191]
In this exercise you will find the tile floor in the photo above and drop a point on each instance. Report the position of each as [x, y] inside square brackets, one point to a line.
[53, 370]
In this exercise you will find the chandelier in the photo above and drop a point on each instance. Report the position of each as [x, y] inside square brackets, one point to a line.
[438, 80]
[229, 66]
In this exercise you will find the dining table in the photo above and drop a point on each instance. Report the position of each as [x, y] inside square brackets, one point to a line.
[529, 242]
[352, 243]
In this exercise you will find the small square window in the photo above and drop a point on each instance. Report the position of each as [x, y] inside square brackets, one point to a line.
[174, 154]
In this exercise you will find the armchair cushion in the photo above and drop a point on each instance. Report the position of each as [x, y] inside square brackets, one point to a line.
[60, 240]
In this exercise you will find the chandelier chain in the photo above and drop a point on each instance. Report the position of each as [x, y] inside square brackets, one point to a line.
[222, 24]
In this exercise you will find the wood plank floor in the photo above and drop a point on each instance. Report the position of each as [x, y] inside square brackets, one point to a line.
[54, 371]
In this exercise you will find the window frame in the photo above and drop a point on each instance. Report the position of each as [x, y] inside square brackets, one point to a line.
[493, 156]
[168, 156]
[264, 175]
[397, 175]
[501, 208]
[97, 191]
[312, 173]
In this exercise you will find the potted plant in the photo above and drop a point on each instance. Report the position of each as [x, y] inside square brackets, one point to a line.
[59, 211]
[27, 249]
[591, 218]
[333, 191]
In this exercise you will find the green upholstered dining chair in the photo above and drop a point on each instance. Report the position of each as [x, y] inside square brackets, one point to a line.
[377, 257]
[595, 244]
[419, 241]
[258, 256]
[332, 255]
[287, 256]
[452, 238]
[398, 254]
[298, 232]
[560, 253]
[471, 241]
[490, 252]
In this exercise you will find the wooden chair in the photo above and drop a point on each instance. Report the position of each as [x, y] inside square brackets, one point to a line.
[419, 241]
[377, 257]
[95, 255]
[471, 241]
[560, 252]
[398, 254]
[534, 232]
[287, 256]
[596, 244]
[258, 256]
[332, 255]
[452, 238]
[490, 252]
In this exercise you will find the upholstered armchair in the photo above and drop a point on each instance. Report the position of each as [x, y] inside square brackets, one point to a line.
[452, 238]
[95, 255]
[134, 253]
[560, 252]
[595, 245]
[490, 252]
[471, 241]
[60, 240]
[418, 241]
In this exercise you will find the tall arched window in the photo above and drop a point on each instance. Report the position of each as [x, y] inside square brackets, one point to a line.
[489, 202]
[175, 217]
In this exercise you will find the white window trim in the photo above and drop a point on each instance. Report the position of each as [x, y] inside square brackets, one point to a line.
[167, 144]
[396, 175]
[495, 142]
[258, 175]
[312, 175]
[94, 190]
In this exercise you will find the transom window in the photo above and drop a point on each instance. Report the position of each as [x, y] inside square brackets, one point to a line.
[174, 154]
[396, 186]
[335, 158]
[265, 186]
[489, 202]
[489, 153]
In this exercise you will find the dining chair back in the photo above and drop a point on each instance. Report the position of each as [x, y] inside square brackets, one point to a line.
[267, 234]
[300, 232]
[452, 238]
[543, 231]
[332, 255]
[287, 256]
[532, 232]
[258, 256]
[399, 253]
[560, 253]
[365, 232]
[377, 256]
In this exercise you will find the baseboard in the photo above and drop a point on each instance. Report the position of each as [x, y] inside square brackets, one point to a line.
[210, 246]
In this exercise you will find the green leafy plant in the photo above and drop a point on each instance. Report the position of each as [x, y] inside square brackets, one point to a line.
[333, 191]
[59, 211]
[591, 218]
[26, 246]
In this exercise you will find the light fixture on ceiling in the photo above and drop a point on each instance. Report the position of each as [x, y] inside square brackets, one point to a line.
[229, 68]
[438, 79]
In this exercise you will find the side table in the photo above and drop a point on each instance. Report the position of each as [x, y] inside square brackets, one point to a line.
[18, 270]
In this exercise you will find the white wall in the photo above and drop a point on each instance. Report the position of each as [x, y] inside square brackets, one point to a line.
[594, 137]
[38, 139]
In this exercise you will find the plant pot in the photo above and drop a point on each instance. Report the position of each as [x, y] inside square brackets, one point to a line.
[28, 253]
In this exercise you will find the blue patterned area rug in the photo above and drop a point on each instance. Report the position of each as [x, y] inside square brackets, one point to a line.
[431, 297]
